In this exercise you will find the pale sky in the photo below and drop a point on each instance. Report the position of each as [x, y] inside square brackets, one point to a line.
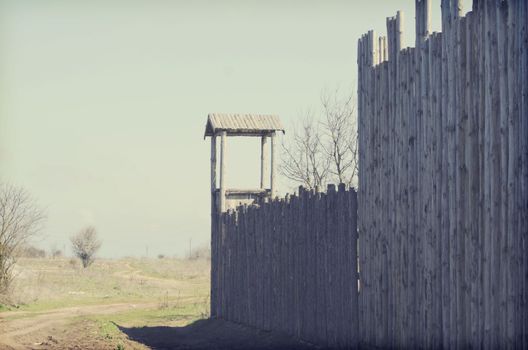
[103, 103]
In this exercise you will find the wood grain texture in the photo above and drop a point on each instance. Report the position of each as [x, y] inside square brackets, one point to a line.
[288, 265]
[452, 218]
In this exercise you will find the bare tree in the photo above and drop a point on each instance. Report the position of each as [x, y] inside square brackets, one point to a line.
[303, 156]
[85, 244]
[341, 138]
[326, 150]
[20, 219]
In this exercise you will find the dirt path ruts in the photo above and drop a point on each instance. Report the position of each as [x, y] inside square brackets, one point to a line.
[21, 329]
[13, 330]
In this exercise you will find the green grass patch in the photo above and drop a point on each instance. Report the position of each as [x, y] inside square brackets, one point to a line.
[5, 308]
[49, 305]
[181, 315]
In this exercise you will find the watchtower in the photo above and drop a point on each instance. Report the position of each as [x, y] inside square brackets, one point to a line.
[222, 198]
[253, 125]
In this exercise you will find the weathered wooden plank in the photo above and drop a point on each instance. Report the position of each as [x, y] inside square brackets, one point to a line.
[297, 263]
[495, 172]
[223, 174]
[522, 133]
[331, 329]
[419, 262]
[361, 177]
[214, 218]
[336, 268]
[253, 251]
[445, 238]
[472, 259]
[264, 284]
[436, 168]
[353, 229]
[378, 210]
[293, 237]
[321, 267]
[522, 86]
[469, 159]
[301, 242]
[368, 311]
[479, 7]
[513, 241]
[394, 266]
[284, 263]
[259, 268]
[312, 262]
[245, 261]
[425, 195]
[410, 174]
[488, 232]
[461, 181]
[503, 268]
[372, 261]
[392, 84]
[346, 276]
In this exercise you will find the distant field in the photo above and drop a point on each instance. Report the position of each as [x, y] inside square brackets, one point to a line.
[61, 305]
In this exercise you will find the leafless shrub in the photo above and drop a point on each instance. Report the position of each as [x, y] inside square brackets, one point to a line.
[85, 244]
[20, 219]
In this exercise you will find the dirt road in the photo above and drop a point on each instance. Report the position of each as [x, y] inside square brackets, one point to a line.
[123, 304]
[30, 330]
[66, 329]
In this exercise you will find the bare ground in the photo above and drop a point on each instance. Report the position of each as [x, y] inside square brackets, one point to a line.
[57, 328]
[68, 328]
[168, 312]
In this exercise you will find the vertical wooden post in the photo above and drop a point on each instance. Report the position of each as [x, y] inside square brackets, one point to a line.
[263, 161]
[423, 20]
[214, 232]
[223, 134]
[273, 164]
[213, 174]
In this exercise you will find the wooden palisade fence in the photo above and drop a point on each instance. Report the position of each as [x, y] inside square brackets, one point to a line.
[442, 206]
[291, 265]
[443, 201]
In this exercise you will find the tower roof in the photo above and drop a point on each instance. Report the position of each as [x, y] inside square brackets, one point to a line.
[242, 124]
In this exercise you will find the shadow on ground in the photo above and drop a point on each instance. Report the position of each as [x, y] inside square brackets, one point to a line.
[212, 334]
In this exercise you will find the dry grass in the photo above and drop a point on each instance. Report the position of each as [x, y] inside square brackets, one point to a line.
[58, 299]
[43, 284]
